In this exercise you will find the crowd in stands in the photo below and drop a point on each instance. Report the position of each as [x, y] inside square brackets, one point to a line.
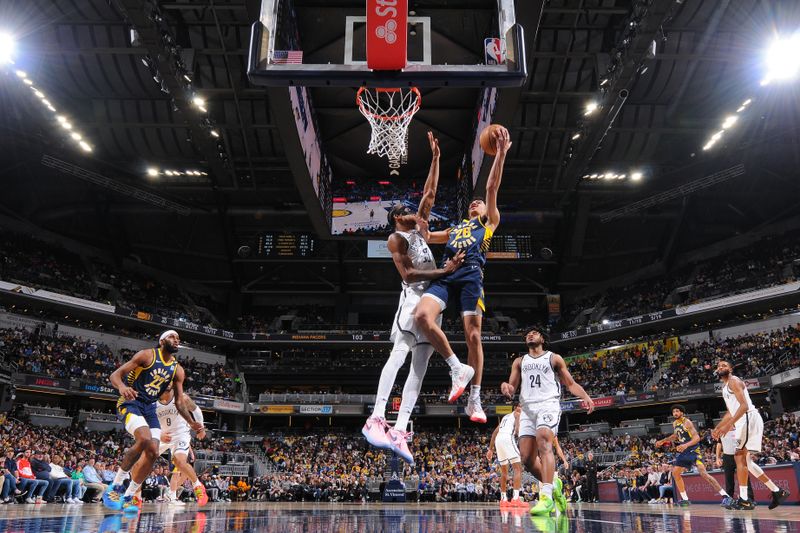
[768, 262]
[64, 357]
[753, 355]
[33, 262]
[335, 464]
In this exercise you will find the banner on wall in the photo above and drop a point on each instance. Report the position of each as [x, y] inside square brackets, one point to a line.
[315, 409]
[276, 409]
[43, 381]
[227, 405]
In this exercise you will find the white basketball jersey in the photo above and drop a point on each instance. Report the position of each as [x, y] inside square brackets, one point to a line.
[170, 419]
[420, 254]
[539, 382]
[507, 425]
[732, 403]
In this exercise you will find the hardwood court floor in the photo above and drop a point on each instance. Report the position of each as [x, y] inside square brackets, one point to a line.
[418, 518]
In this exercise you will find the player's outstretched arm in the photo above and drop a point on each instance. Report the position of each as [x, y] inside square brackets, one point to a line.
[398, 247]
[503, 143]
[429, 191]
[509, 387]
[560, 368]
[141, 359]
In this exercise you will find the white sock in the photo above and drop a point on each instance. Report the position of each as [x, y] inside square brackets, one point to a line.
[547, 489]
[388, 375]
[475, 393]
[503, 496]
[684, 496]
[722, 492]
[420, 356]
[120, 476]
[771, 486]
[743, 493]
[172, 494]
[516, 494]
[196, 484]
[453, 361]
[132, 488]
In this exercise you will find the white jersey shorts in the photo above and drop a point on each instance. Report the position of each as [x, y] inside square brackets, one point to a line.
[507, 450]
[749, 431]
[178, 444]
[545, 415]
[404, 317]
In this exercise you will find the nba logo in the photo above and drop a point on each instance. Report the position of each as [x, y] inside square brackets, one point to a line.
[495, 51]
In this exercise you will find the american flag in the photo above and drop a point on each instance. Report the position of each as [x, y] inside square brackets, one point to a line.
[287, 57]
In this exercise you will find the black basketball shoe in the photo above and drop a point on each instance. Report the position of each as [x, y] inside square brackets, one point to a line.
[778, 497]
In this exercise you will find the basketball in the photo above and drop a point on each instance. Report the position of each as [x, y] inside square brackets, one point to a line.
[487, 138]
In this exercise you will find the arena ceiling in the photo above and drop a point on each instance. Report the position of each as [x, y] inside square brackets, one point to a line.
[81, 54]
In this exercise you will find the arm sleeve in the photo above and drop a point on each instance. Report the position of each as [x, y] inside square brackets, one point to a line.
[198, 415]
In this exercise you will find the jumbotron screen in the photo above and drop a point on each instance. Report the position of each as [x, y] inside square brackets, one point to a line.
[510, 247]
[274, 244]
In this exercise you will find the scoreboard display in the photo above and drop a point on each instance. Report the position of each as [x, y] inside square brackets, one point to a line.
[510, 247]
[288, 245]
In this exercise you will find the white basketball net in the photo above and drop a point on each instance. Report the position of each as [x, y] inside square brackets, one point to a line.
[389, 112]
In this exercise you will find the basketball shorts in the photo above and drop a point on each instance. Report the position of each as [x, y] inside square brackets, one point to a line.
[749, 431]
[136, 414]
[404, 317]
[507, 450]
[687, 459]
[464, 286]
[178, 444]
[539, 416]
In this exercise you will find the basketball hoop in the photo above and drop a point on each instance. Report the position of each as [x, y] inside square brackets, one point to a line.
[389, 113]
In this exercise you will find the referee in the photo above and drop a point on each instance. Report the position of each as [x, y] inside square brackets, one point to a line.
[725, 450]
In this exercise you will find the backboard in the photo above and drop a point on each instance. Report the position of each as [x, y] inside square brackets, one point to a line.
[317, 44]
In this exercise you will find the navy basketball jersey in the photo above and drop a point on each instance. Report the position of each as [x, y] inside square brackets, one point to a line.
[473, 238]
[684, 434]
[150, 382]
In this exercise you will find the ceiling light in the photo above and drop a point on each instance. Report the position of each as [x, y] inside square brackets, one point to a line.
[152, 172]
[66, 125]
[61, 118]
[729, 122]
[51, 108]
[716, 136]
[26, 81]
[591, 107]
[38, 93]
[21, 74]
[7, 47]
[75, 135]
[709, 145]
[603, 81]
[636, 176]
[214, 133]
[187, 78]
[168, 172]
[85, 146]
[199, 102]
[576, 136]
[783, 59]
[747, 102]
[610, 175]
[742, 108]
[621, 177]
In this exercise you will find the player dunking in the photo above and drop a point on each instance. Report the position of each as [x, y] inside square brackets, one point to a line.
[749, 426]
[688, 442]
[466, 285]
[414, 261]
[540, 374]
[140, 382]
[504, 439]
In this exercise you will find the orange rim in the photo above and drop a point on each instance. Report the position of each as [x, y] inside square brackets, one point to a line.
[413, 109]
